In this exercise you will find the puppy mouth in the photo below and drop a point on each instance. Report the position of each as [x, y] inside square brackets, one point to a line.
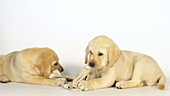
[55, 73]
[98, 67]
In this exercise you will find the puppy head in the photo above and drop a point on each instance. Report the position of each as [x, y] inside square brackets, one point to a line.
[47, 62]
[101, 51]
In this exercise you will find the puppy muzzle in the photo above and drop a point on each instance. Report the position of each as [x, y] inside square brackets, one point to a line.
[91, 64]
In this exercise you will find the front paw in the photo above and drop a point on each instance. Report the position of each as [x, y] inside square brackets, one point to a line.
[84, 85]
[59, 82]
[4, 79]
[68, 78]
[68, 85]
[121, 85]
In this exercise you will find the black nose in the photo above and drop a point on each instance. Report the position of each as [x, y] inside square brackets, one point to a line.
[62, 69]
[92, 64]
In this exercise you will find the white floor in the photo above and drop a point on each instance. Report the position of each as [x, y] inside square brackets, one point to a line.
[19, 89]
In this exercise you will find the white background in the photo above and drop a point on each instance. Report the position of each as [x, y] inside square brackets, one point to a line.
[67, 26]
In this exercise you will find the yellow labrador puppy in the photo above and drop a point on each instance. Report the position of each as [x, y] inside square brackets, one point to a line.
[111, 65]
[33, 65]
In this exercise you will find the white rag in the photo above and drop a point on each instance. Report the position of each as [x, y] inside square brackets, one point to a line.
[73, 85]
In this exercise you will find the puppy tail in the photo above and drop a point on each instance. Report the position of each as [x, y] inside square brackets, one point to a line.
[161, 82]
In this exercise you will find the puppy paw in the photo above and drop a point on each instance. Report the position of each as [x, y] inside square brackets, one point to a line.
[4, 79]
[121, 85]
[84, 86]
[68, 85]
[59, 82]
[68, 78]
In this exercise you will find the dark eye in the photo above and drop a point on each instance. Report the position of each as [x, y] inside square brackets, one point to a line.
[100, 54]
[56, 64]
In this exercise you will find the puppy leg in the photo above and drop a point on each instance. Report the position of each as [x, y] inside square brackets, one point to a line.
[93, 84]
[146, 72]
[136, 80]
[44, 81]
[129, 84]
[4, 79]
[68, 78]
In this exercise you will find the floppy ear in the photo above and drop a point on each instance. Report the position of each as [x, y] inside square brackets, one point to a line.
[44, 64]
[113, 54]
[86, 54]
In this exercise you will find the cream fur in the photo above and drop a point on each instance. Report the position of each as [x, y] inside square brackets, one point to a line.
[129, 69]
[32, 65]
